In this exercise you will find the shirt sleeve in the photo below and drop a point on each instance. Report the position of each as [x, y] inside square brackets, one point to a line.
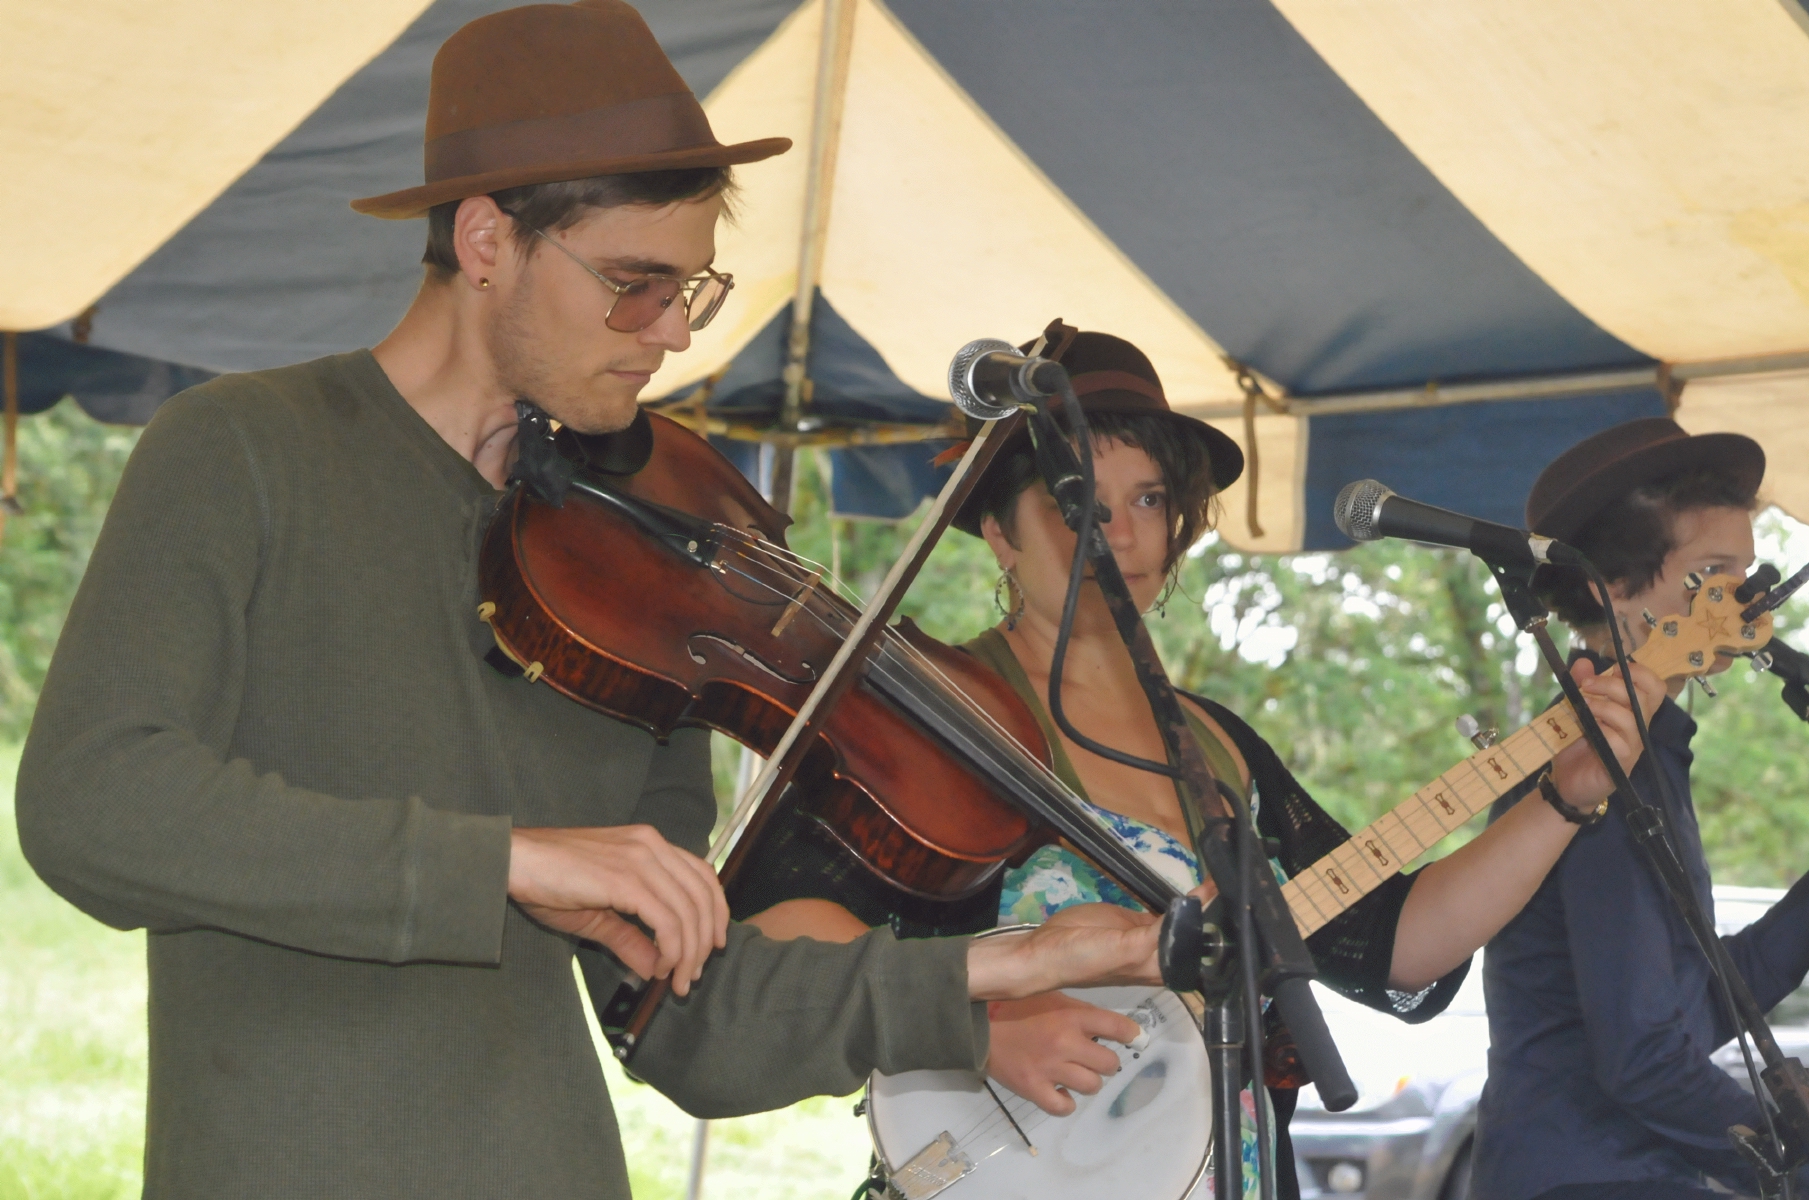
[1354, 952]
[679, 797]
[128, 802]
[1622, 954]
[1772, 954]
[774, 1022]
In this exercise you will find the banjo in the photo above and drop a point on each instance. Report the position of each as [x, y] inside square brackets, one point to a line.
[1146, 1132]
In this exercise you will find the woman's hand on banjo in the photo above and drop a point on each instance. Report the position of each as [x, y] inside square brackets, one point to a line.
[1046, 1046]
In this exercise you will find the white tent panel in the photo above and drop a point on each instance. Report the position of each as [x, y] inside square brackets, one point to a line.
[120, 120]
[769, 94]
[1771, 409]
[1281, 483]
[1649, 159]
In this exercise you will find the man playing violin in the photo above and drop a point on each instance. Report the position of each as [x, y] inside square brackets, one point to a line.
[1602, 1013]
[366, 860]
[1403, 949]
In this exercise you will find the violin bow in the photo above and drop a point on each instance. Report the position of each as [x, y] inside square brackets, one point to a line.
[754, 807]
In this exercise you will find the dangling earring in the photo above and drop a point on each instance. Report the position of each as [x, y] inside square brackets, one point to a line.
[1168, 590]
[1007, 579]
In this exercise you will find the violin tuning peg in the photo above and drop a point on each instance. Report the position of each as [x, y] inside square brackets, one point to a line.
[1650, 620]
[1692, 582]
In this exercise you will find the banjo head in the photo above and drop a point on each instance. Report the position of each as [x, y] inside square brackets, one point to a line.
[1145, 1133]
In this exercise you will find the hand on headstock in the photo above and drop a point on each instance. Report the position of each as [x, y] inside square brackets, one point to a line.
[1687, 643]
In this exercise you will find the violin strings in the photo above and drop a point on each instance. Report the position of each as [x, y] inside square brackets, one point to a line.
[954, 704]
[893, 641]
[923, 661]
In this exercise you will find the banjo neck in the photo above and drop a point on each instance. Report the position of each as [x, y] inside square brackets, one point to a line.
[1717, 623]
[1382, 848]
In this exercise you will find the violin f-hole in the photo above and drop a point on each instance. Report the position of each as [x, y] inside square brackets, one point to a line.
[693, 647]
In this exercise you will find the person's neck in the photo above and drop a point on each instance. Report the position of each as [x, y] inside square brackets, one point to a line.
[438, 360]
[1097, 657]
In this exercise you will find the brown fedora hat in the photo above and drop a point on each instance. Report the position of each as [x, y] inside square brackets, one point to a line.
[1598, 470]
[1110, 376]
[557, 91]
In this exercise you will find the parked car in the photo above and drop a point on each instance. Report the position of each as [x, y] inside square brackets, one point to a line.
[1410, 1134]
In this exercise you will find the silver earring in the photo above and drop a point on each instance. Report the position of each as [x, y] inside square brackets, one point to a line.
[1011, 615]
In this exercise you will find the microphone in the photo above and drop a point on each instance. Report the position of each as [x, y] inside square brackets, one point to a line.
[981, 376]
[1366, 510]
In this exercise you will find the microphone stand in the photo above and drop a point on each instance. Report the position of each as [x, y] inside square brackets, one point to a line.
[1775, 1154]
[1271, 956]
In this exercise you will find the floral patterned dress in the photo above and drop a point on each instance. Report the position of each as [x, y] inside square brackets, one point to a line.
[1054, 878]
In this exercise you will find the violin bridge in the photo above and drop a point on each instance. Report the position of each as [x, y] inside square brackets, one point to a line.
[933, 1170]
[797, 603]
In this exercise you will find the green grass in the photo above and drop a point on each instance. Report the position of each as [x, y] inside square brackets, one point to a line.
[72, 1039]
[72, 1074]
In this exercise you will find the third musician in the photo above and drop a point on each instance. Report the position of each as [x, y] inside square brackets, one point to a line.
[1602, 1015]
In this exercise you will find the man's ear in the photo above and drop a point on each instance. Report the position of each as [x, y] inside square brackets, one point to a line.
[478, 230]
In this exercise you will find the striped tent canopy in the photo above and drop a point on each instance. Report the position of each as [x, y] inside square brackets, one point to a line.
[1427, 241]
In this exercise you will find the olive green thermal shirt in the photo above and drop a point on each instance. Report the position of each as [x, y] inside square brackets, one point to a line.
[269, 738]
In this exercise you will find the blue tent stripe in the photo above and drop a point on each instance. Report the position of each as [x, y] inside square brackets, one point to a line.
[888, 482]
[850, 381]
[1479, 459]
[120, 389]
[1213, 146]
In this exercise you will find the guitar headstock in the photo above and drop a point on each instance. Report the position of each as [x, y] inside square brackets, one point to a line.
[1687, 643]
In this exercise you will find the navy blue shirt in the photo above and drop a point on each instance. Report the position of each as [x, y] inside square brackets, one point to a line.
[1601, 1017]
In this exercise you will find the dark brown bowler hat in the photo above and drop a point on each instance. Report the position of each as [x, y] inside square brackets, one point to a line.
[1598, 470]
[1110, 376]
[557, 91]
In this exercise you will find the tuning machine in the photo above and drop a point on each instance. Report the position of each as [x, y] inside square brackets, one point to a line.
[1468, 726]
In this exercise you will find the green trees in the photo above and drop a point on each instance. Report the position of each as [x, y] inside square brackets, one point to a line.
[69, 465]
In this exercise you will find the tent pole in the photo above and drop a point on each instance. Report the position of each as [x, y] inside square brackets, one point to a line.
[834, 54]
[1433, 394]
[9, 464]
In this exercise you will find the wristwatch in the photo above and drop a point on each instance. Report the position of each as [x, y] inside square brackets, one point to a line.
[1576, 816]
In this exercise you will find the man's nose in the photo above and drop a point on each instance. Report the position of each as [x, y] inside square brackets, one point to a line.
[672, 331]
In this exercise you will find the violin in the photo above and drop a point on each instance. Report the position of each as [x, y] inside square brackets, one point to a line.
[665, 596]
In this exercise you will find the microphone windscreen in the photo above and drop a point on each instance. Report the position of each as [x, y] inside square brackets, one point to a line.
[1354, 512]
[961, 379]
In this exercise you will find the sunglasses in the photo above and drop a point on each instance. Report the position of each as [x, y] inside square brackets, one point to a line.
[645, 299]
